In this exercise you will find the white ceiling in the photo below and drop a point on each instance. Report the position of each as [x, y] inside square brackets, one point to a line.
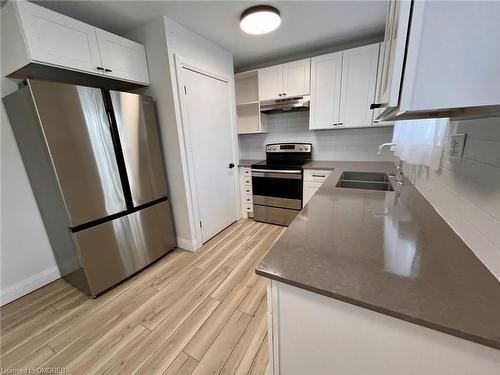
[307, 26]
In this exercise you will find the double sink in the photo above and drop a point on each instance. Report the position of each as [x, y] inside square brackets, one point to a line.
[365, 180]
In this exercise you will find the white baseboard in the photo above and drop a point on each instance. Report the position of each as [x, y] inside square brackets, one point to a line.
[186, 244]
[28, 285]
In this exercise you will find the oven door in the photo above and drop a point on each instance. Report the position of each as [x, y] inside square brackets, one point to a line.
[277, 188]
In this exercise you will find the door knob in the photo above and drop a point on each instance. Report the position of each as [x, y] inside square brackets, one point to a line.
[231, 165]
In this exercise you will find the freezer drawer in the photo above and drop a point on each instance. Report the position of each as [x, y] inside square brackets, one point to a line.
[112, 251]
[76, 132]
[140, 143]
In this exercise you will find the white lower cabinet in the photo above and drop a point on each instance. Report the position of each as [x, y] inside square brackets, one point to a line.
[313, 179]
[309, 333]
[310, 188]
[246, 192]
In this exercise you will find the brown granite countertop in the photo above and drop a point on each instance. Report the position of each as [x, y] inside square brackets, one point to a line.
[248, 162]
[389, 252]
[320, 164]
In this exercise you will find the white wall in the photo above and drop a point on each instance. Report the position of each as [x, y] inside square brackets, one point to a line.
[341, 144]
[165, 40]
[467, 193]
[26, 257]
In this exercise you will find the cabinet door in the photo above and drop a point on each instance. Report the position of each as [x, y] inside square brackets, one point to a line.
[310, 188]
[396, 29]
[325, 91]
[270, 82]
[122, 58]
[297, 78]
[53, 38]
[359, 78]
[378, 111]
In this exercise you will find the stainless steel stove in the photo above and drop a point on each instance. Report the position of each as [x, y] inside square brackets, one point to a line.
[277, 182]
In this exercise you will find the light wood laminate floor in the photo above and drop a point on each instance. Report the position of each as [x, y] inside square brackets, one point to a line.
[189, 313]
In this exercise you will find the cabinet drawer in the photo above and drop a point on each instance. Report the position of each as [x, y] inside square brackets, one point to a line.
[248, 207]
[246, 190]
[247, 181]
[247, 199]
[316, 175]
[246, 172]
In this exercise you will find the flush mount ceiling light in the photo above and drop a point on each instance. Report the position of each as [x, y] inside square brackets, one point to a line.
[260, 19]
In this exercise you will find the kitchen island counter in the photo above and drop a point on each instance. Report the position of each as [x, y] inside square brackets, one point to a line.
[390, 252]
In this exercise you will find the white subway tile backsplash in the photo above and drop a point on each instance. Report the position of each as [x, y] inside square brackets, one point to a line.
[467, 193]
[339, 144]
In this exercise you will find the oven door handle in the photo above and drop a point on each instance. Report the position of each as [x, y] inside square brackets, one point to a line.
[277, 171]
[287, 175]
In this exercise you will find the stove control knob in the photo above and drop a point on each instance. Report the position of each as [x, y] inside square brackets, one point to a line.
[306, 148]
[269, 148]
[274, 147]
[300, 148]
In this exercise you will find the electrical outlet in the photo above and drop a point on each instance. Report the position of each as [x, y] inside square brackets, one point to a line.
[457, 144]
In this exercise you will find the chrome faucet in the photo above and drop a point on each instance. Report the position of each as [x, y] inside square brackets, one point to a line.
[399, 176]
[384, 145]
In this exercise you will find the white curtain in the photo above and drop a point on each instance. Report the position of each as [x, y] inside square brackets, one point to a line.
[420, 142]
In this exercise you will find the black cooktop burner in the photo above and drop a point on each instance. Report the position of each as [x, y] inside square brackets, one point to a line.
[280, 164]
[285, 156]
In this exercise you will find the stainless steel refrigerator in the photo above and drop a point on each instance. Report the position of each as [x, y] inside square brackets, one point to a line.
[94, 161]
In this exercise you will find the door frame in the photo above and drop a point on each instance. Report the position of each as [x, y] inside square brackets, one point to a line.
[185, 140]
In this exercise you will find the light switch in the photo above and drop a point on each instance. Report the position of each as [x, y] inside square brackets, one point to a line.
[457, 144]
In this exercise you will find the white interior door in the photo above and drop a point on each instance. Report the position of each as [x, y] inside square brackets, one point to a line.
[207, 112]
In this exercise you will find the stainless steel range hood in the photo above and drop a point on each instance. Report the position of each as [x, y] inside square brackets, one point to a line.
[282, 105]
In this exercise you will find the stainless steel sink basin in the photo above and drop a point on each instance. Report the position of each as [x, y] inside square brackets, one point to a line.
[365, 180]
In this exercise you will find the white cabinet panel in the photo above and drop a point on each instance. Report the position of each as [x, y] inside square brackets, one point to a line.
[270, 82]
[359, 78]
[310, 188]
[297, 78]
[396, 28]
[122, 58]
[316, 175]
[59, 40]
[246, 192]
[326, 74]
[36, 35]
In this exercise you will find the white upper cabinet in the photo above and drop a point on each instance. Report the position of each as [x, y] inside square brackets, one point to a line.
[297, 78]
[359, 78]
[122, 58]
[433, 66]
[270, 82]
[59, 40]
[41, 36]
[396, 30]
[285, 80]
[326, 72]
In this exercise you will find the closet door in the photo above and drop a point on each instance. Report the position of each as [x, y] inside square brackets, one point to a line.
[359, 78]
[326, 74]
